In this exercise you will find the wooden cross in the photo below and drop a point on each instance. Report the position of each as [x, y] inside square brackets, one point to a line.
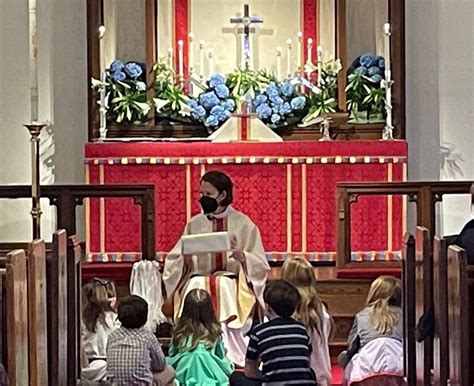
[247, 21]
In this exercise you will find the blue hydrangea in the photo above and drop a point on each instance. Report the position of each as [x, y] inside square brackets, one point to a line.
[216, 80]
[361, 70]
[211, 121]
[116, 65]
[297, 103]
[209, 100]
[192, 103]
[272, 89]
[119, 75]
[367, 60]
[133, 70]
[264, 111]
[198, 112]
[287, 89]
[275, 118]
[222, 91]
[376, 78]
[380, 62]
[259, 99]
[229, 104]
[220, 113]
[373, 70]
[285, 109]
[276, 99]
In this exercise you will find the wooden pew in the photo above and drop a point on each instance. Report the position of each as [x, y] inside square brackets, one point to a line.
[73, 310]
[458, 317]
[425, 194]
[56, 273]
[409, 308]
[14, 278]
[37, 324]
[424, 301]
[440, 307]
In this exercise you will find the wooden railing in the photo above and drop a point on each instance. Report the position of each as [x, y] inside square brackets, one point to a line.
[424, 194]
[67, 197]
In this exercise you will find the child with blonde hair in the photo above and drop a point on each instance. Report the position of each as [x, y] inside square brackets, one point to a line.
[99, 319]
[375, 342]
[197, 352]
[312, 313]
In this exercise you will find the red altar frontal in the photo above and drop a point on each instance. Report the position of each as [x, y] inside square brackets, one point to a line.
[287, 189]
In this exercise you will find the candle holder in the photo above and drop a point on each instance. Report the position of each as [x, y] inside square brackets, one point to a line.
[325, 130]
[35, 130]
[102, 108]
[387, 83]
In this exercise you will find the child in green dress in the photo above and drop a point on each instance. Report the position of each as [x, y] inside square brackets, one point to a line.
[197, 352]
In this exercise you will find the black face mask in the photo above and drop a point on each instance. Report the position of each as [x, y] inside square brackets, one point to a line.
[208, 204]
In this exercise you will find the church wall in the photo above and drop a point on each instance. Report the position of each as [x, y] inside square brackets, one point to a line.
[62, 103]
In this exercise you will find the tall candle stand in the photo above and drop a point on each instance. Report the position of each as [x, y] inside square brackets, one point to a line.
[387, 133]
[102, 90]
[35, 130]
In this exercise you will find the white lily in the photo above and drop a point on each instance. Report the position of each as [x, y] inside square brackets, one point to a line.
[185, 109]
[160, 103]
[96, 83]
[145, 107]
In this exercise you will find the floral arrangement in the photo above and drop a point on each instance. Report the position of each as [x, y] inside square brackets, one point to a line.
[125, 93]
[169, 100]
[214, 105]
[365, 93]
[279, 104]
[325, 102]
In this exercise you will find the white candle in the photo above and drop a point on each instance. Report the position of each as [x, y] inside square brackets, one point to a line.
[201, 59]
[299, 51]
[180, 60]
[310, 51]
[210, 56]
[170, 58]
[320, 62]
[191, 54]
[278, 69]
[33, 46]
[386, 30]
[288, 58]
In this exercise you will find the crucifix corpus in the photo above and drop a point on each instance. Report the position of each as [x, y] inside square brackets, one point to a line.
[247, 21]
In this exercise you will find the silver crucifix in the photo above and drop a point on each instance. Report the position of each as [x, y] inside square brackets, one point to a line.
[247, 21]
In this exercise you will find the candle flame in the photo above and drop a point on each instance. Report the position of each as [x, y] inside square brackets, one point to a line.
[279, 50]
[310, 41]
[191, 36]
[320, 49]
[300, 34]
[288, 42]
[180, 43]
[201, 43]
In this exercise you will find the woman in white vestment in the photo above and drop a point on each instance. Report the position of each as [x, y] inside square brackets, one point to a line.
[235, 279]
[99, 319]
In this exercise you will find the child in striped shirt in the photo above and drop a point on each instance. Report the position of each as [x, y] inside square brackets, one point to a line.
[282, 345]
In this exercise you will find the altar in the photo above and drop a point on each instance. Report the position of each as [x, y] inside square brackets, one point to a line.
[287, 189]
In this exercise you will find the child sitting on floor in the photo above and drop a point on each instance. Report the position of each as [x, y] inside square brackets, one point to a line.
[134, 356]
[197, 352]
[375, 342]
[99, 319]
[313, 314]
[282, 345]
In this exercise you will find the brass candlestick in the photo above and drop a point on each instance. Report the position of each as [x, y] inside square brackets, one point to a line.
[35, 130]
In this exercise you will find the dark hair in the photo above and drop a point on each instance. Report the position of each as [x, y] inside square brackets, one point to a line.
[133, 312]
[282, 297]
[222, 183]
[198, 322]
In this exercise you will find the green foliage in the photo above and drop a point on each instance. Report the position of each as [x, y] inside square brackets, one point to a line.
[325, 102]
[127, 101]
[246, 82]
[363, 94]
